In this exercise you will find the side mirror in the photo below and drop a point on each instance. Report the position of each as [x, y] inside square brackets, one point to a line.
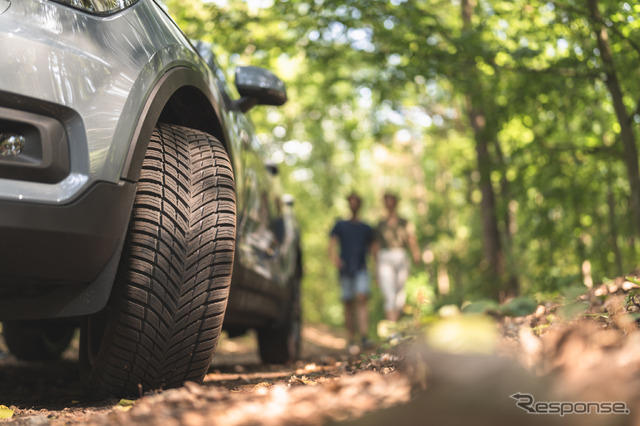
[258, 86]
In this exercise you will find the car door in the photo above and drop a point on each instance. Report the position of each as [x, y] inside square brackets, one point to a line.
[257, 235]
[256, 241]
[257, 287]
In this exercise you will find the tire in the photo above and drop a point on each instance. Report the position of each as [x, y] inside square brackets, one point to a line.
[161, 325]
[280, 342]
[42, 340]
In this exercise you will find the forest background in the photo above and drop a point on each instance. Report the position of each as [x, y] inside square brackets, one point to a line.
[508, 129]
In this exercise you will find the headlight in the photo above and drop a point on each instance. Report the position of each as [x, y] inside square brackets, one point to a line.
[98, 7]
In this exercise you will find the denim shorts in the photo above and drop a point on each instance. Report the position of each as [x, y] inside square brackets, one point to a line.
[353, 285]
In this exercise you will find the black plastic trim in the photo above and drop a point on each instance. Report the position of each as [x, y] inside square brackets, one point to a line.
[48, 246]
[65, 301]
[169, 84]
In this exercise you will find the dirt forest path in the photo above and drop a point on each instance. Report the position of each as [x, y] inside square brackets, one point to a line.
[541, 368]
[237, 390]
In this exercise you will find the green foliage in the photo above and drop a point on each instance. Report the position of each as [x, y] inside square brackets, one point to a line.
[632, 299]
[481, 306]
[633, 279]
[516, 307]
[379, 96]
[519, 307]
[573, 305]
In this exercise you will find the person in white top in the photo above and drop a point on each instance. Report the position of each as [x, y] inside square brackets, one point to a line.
[394, 235]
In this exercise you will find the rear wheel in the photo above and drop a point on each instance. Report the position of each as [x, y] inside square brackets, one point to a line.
[42, 340]
[280, 342]
[161, 325]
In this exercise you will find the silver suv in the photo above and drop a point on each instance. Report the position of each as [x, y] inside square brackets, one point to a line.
[130, 179]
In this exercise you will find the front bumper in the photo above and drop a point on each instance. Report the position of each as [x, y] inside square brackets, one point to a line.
[53, 255]
[80, 70]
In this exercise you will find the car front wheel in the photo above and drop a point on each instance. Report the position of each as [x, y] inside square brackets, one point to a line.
[161, 325]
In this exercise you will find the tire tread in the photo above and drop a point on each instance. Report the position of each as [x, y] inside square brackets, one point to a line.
[170, 304]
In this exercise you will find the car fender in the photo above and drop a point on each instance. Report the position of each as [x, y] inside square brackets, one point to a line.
[176, 85]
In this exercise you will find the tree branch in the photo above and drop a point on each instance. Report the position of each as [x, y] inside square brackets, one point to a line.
[586, 14]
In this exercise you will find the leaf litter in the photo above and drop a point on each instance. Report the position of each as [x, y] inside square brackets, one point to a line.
[461, 369]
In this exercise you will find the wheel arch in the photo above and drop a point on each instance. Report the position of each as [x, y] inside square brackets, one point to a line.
[179, 97]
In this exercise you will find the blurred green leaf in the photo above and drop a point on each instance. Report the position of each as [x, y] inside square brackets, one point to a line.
[464, 333]
[519, 307]
[633, 279]
[573, 292]
[481, 306]
[126, 402]
[573, 310]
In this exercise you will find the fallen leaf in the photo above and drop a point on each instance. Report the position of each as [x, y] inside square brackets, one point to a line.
[126, 403]
[5, 412]
[262, 385]
[307, 381]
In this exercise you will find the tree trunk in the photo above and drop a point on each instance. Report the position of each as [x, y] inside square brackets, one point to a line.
[512, 287]
[626, 132]
[483, 136]
[613, 227]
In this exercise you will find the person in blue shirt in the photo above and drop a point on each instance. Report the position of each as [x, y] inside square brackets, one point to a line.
[354, 238]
